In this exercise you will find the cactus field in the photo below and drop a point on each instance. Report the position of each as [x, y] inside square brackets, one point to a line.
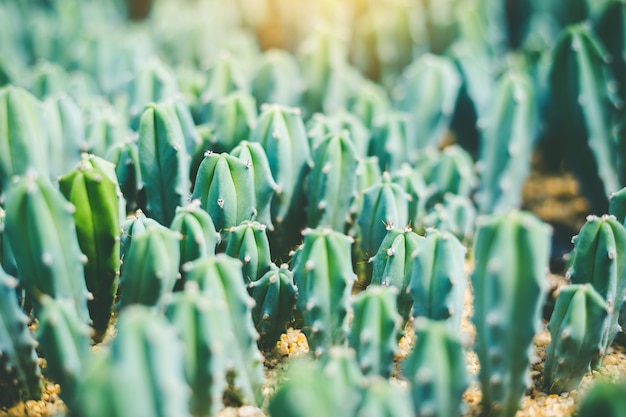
[312, 208]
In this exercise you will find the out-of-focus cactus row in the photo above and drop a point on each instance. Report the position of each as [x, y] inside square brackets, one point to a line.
[181, 190]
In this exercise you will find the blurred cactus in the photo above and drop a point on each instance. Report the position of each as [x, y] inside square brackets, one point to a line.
[455, 214]
[125, 156]
[605, 398]
[393, 140]
[277, 79]
[235, 117]
[248, 242]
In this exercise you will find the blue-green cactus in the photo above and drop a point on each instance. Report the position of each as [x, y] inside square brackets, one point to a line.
[131, 227]
[65, 343]
[383, 398]
[436, 370]
[235, 117]
[277, 79]
[597, 259]
[419, 193]
[42, 234]
[370, 103]
[448, 171]
[511, 253]
[92, 188]
[455, 214]
[125, 156]
[438, 280]
[20, 375]
[393, 263]
[375, 329]
[275, 296]
[393, 140]
[605, 398]
[104, 128]
[225, 188]
[321, 125]
[576, 327]
[332, 183]
[223, 77]
[163, 161]
[150, 267]
[248, 242]
[617, 205]
[324, 276]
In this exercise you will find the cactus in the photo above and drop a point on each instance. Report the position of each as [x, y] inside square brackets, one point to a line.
[235, 117]
[20, 375]
[332, 183]
[141, 374]
[375, 330]
[370, 103]
[393, 140]
[150, 267]
[221, 280]
[42, 234]
[104, 128]
[277, 79]
[275, 296]
[265, 187]
[393, 263]
[605, 398]
[428, 91]
[452, 171]
[413, 183]
[580, 89]
[437, 282]
[225, 188]
[208, 346]
[511, 253]
[455, 214]
[507, 140]
[131, 227]
[617, 205]
[576, 327]
[66, 133]
[323, 275]
[436, 370]
[223, 77]
[199, 238]
[125, 156]
[65, 343]
[320, 126]
[383, 398]
[597, 260]
[92, 188]
[248, 242]
[163, 161]
[23, 140]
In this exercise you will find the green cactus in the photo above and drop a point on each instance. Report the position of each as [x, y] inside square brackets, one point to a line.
[605, 398]
[449, 171]
[235, 117]
[455, 214]
[437, 282]
[418, 192]
[141, 374]
[375, 329]
[277, 79]
[511, 253]
[248, 242]
[576, 327]
[393, 140]
[23, 140]
[65, 343]
[163, 161]
[617, 205]
[393, 263]
[383, 398]
[323, 275]
[253, 154]
[436, 370]
[223, 77]
[125, 156]
[42, 233]
[428, 91]
[370, 103]
[332, 183]
[225, 188]
[150, 267]
[92, 188]
[320, 126]
[104, 128]
[131, 227]
[275, 296]
[20, 375]
[597, 260]
[507, 140]
[221, 280]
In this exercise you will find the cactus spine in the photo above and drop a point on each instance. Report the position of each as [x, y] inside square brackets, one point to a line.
[511, 253]
[576, 327]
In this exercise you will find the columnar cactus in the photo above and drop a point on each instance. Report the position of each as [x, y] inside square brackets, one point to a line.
[92, 188]
[375, 328]
[436, 370]
[576, 327]
[428, 91]
[163, 161]
[221, 280]
[324, 277]
[150, 267]
[451, 171]
[393, 140]
[455, 214]
[438, 281]
[235, 117]
[275, 296]
[507, 139]
[370, 103]
[223, 77]
[141, 374]
[42, 234]
[104, 128]
[253, 154]
[393, 263]
[225, 188]
[598, 259]
[511, 253]
[248, 242]
[20, 375]
[383, 398]
[65, 342]
[125, 156]
[332, 183]
[617, 205]
[277, 79]
[131, 227]
[320, 126]
[605, 398]
[413, 183]
[23, 140]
